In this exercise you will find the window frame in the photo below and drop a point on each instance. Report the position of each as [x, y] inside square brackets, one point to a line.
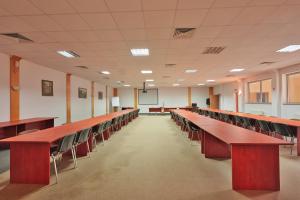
[287, 89]
[260, 91]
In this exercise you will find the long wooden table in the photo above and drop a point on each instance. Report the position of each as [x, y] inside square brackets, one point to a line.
[287, 122]
[29, 153]
[13, 128]
[255, 156]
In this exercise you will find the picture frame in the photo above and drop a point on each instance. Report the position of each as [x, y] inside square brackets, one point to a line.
[100, 95]
[47, 88]
[82, 93]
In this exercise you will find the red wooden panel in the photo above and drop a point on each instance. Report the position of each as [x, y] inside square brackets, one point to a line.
[30, 163]
[255, 167]
[215, 148]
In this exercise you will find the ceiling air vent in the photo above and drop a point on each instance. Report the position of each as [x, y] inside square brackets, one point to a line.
[267, 63]
[169, 65]
[213, 50]
[18, 37]
[82, 67]
[183, 33]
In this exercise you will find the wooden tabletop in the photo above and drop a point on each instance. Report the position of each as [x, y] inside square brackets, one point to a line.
[229, 133]
[288, 122]
[24, 121]
[52, 134]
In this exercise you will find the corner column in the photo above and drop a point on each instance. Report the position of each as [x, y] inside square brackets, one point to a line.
[68, 97]
[14, 88]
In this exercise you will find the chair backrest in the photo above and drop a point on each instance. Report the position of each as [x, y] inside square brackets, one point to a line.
[83, 135]
[263, 125]
[28, 131]
[66, 143]
[101, 127]
[281, 129]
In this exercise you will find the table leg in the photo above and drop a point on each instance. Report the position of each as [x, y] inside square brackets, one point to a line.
[215, 148]
[30, 163]
[255, 167]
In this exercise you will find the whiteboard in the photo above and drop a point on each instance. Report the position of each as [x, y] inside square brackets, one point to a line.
[149, 98]
[115, 101]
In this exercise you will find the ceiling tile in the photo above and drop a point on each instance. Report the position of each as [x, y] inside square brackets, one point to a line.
[127, 20]
[99, 20]
[4, 12]
[189, 18]
[253, 15]
[194, 4]
[84, 6]
[54, 6]
[70, 22]
[159, 33]
[38, 37]
[159, 19]
[284, 14]
[85, 36]
[14, 24]
[234, 31]
[159, 4]
[61, 36]
[42, 23]
[20, 7]
[207, 31]
[109, 35]
[128, 5]
[221, 16]
[134, 34]
[266, 2]
[230, 3]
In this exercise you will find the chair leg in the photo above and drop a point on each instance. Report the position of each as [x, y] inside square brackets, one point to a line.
[88, 148]
[102, 137]
[55, 168]
[95, 142]
[74, 157]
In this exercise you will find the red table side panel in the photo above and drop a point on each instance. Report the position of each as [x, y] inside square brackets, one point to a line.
[215, 148]
[255, 167]
[24, 165]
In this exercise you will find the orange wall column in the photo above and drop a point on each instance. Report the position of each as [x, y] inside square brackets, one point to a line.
[236, 94]
[189, 96]
[14, 88]
[135, 91]
[68, 97]
[106, 99]
[115, 94]
[93, 98]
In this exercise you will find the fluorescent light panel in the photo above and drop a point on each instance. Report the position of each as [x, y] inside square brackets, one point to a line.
[200, 84]
[190, 70]
[210, 80]
[149, 80]
[151, 85]
[237, 70]
[176, 84]
[126, 85]
[105, 72]
[146, 71]
[68, 54]
[289, 49]
[140, 52]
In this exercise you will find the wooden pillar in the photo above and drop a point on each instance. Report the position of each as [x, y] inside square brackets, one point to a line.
[106, 100]
[93, 98]
[115, 94]
[68, 97]
[189, 96]
[236, 94]
[14, 88]
[135, 91]
[214, 99]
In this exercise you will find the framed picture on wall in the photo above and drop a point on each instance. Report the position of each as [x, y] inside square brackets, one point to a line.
[82, 93]
[100, 95]
[47, 88]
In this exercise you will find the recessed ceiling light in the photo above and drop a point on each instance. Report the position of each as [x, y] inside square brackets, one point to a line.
[149, 80]
[68, 54]
[105, 72]
[210, 80]
[180, 80]
[237, 70]
[190, 70]
[200, 84]
[176, 84]
[288, 49]
[151, 85]
[146, 71]
[140, 52]
[126, 85]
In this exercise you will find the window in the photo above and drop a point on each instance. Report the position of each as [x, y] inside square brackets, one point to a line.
[293, 85]
[260, 91]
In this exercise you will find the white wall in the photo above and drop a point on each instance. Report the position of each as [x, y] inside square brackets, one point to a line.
[32, 103]
[227, 96]
[100, 104]
[4, 88]
[199, 96]
[126, 97]
[80, 108]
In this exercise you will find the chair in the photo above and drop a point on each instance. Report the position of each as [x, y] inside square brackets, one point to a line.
[83, 137]
[264, 127]
[192, 130]
[98, 131]
[246, 123]
[285, 132]
[64, 145]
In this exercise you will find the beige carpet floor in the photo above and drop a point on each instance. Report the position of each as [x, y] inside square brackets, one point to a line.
[150, 159]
